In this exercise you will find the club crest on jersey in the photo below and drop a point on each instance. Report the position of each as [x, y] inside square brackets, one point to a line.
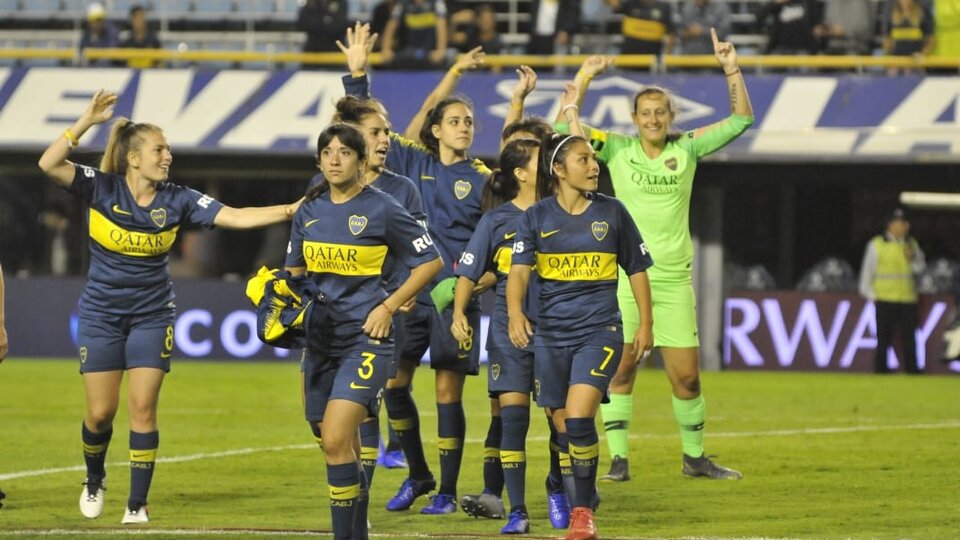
[357, 224]
[461, 188]
[159, 216]
[495, 371]
[599, 229]
[83, 354]
[671, 164]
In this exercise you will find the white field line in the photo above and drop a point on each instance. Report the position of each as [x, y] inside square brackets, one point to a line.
[953, 424]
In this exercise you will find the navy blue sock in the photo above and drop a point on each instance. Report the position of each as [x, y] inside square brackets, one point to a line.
[360, 531]
[95, 451]
[513, 452]
[143, 454]
[451, 430]
[405, 421]
[566, 471]
[556, 479]
[344, 484]
[584, 455]
[492, 470]
[369, 448]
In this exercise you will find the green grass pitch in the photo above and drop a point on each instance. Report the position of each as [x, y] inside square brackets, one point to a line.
[823, 456]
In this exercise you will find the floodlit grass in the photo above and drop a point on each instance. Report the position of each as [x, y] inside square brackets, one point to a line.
[823, 456]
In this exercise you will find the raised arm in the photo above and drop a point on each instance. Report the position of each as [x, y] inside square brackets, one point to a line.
[444, 88]
[527, 81]
[570, 110]
[591, 67]
[53, 162]
[737, 88]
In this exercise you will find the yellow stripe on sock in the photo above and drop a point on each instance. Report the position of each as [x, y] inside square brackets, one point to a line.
[490, 452]
[564, 459]
[342, 493]
[369, 453]
[449, 443]
[319, 441]
[94, 448]
[401, 424]
[513, 456]
[585, 452]
[143, 456]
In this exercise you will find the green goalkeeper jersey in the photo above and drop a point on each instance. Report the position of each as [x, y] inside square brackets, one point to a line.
[657, 191]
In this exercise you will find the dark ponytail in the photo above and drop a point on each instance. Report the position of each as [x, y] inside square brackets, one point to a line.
[554, 150]
[503, 184]
[434, 118]
[352, 109]
[350, 137]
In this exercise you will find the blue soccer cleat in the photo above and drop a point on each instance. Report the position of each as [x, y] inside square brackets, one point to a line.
[517, 523]
[558, 507]
[440, 503]
[392, 459]
[409, 491]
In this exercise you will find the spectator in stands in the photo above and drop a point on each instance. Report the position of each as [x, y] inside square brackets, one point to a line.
[423, 23]
[789, 25]
[908, 31]
[597, 20]
[476, 28]
[98, 32]
[553, 23]
[324, 21]
[647, 26]
[379, 20]
[140, 37]
[890, 263]
[698, 17]
[847, 27]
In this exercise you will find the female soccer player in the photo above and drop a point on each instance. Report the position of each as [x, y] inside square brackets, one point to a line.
[653, 175]
[127, 310]
[510, 373]
[340, 238]
[576, 240]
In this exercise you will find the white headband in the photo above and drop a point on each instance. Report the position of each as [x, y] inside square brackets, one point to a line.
[557, 149]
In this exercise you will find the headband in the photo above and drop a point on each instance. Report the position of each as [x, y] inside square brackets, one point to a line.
[557, 149]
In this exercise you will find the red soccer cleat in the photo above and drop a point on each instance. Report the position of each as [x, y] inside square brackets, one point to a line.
[581, 525]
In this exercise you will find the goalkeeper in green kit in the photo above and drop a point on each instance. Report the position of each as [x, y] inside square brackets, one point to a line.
[653, 176]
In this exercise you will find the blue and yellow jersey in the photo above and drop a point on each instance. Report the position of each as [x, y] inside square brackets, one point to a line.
[490, 250]
[129, 244]
[576, 257]
[405, 192]
[451, 195]
[344, 248]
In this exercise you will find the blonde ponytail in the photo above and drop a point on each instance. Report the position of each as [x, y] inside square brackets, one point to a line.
[125, 137]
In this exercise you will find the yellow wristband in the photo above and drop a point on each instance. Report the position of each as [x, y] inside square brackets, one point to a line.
[584, 75]
[358, 74]
[72, 140]
[456, 72]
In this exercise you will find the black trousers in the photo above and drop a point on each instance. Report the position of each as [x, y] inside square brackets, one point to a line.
[892, 316]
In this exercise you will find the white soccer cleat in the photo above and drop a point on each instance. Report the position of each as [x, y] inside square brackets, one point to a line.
[133, 517]
[91, 499]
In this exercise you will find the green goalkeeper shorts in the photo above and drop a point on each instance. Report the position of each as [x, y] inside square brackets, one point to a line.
[674, 314]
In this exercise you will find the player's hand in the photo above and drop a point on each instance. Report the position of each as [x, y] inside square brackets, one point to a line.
[595, 65]
[359, 44]
[642, 343]
[100, 108]
[460, 327]
[725, 52]
[407, 306]
[570, 96]
[519, 330]
[292, 208]
[471, 59]
[378, 323]
[527, 81]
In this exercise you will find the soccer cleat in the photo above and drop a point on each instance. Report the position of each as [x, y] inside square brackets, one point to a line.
[619, 471]
[91, 498]
[409, 491]
[392, 459]
[581, 525]
[486, 505]
[703, 466]
[2, 497]
[441, 503]
[558, 508]
[133, 517]
[517, 523]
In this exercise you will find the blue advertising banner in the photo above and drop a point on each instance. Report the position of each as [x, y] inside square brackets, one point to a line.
[819, 117]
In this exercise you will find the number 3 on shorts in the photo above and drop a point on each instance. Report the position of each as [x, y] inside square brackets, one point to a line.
[366, 367]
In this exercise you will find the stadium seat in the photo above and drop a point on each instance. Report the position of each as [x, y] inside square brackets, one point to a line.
[258, 7]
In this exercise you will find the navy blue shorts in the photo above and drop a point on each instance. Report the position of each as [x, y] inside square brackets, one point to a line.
[427, 328]
[355, 373]
[118, 342]
[592, 362]
[510, 370]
